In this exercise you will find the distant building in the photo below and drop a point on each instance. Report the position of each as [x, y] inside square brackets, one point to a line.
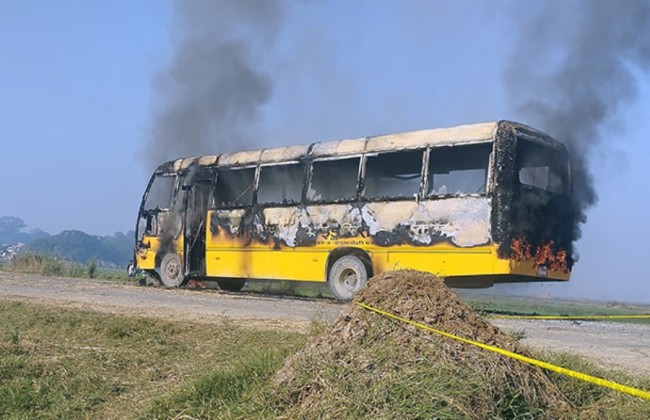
[9, 252]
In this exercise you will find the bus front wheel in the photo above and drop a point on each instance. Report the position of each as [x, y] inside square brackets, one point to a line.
[171, 271]
[346, 277]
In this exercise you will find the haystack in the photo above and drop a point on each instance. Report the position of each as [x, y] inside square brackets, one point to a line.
[365, 365]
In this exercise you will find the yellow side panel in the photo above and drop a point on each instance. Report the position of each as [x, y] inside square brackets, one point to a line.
[440, 260]
[289, 264]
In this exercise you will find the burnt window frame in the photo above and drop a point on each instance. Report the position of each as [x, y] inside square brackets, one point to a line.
[489, 172]
[213, 202]
[172, 195]
[211, 179]
[416, 196]
[258, 175]
[310, 174]
[143, 226]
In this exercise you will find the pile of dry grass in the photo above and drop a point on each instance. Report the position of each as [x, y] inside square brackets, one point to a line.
[368, 365]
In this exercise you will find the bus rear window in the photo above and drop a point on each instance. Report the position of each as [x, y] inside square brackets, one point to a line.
[542, 167]
[234, 187]
[160, 193]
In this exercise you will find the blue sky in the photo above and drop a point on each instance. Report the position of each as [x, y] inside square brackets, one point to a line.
[74, 100]
[77, 102]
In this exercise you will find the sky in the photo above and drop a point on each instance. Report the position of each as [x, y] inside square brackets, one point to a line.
[82, 89]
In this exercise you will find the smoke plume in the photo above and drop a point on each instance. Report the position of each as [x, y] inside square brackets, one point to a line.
[572, 69]
[210, 95]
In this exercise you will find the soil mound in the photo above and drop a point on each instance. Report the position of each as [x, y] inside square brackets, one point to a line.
[367, 365]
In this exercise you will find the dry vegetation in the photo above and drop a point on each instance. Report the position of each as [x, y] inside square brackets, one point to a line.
[399, 371]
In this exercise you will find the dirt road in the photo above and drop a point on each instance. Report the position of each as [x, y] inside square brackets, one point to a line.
[612, 345]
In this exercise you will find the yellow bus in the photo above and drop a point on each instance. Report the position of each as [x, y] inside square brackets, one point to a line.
[475, 204]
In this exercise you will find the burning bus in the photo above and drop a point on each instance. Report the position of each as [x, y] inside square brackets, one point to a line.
[476, 204]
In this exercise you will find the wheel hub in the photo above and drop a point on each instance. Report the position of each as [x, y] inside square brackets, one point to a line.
[173, 270]
[350, 279]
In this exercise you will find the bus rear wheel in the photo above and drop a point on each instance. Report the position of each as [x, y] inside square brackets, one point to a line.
[231, 285]
[171, 271]
[346, 277]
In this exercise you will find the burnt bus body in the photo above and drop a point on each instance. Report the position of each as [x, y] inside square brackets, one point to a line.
[477, 204]
[534, 214]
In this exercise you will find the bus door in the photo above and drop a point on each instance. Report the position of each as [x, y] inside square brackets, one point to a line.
[154, 210]
[197, 196]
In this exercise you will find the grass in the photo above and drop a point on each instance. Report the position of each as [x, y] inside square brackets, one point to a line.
[233, 392]
[519, 305]
[48, 265]
[72, 364]
[596, 401]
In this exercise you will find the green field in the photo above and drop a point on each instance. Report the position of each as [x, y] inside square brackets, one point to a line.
[520, 305]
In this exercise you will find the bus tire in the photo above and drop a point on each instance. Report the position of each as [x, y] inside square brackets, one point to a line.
[346, 277]
[231, 285]
[171, 271]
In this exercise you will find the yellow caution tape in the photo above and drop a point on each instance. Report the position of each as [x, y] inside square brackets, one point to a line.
[584, 317]
[568, 372]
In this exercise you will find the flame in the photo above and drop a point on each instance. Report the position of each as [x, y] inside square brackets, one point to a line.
[544, 254]
[520, 249]
[196, 284]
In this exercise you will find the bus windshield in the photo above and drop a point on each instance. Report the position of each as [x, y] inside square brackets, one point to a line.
[160, 193]
[542, 167]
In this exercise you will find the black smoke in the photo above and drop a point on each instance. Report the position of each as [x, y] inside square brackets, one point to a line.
[209, 97]
[573, 68]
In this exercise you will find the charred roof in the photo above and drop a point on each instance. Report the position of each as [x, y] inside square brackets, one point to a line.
[463, 134]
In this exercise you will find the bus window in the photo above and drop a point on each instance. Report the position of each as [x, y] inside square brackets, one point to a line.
[393, 175]
[281, 183]
[234, 187]
[333, 180]
[541, 167]
[458, 170]
[160, 193]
